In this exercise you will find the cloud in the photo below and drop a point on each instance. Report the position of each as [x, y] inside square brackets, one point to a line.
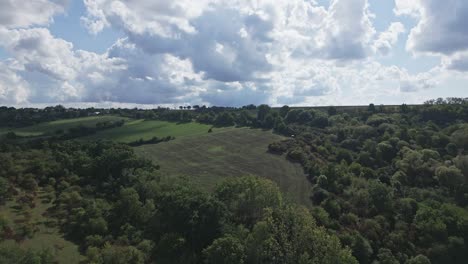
[441, 28]
[14, 13]
[419, 82]
[261, 49]
[222, 50]
[13, 89]
[386, 40]
[232, 41]
[214, 52]
[458, 62]
[347, 31]
[51, 66]
[37, 50]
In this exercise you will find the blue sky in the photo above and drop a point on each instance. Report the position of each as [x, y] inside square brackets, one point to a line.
[68, 26]
[220, 52]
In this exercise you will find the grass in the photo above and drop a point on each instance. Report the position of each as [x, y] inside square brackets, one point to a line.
[46, 237]
[229, 152]
[49, 128]
[137, 129]
[132, 130]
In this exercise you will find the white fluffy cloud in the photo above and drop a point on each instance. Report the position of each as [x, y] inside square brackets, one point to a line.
[52, 67]
[241, 49]
[442, 29]
[348, 31]
[219, 52]
[442, 25]
[12, 87]
[458, 62]
[15, 13]
[384, 44]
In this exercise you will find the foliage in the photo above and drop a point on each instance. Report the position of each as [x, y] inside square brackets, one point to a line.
[387, 185]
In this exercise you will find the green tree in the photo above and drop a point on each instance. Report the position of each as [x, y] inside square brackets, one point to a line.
[419, 259]
[112, 254]
[225, 250]
[284, 110]
[4, 186]
[290, 235]
[381, 196]
[450, 177]
[247, 197]
[263, 111]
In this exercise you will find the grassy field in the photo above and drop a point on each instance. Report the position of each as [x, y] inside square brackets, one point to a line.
[205, 157]
[229, 152]
[136, 129]
[49, 128]
[45, 236]
[132, 130]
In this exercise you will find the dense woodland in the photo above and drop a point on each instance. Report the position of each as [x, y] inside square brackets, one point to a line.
[389, 185]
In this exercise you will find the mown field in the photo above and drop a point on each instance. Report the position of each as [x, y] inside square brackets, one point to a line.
[132, 129]
[228, 152]
[205, 157]
[140, 129]
[50, 128]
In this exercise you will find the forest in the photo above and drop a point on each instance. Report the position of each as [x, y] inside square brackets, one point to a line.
[388, 184]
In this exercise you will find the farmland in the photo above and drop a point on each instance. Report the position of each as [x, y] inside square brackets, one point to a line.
[208, 158]
[375, 185]
[50, 128]
[141, 129]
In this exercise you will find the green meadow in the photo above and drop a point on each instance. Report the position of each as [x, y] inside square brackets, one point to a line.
[208, 158]
[50, 128]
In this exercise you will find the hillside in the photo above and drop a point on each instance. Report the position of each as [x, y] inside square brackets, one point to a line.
[141, 129]
[174, 186]
[51, 128]
[228, 152]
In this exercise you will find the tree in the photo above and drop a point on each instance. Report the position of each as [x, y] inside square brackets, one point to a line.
[362, 249]
[385, 256]
[385, 151]
[269, 121]
[224, 119]
[450, 177]
[187, 219]
[404, 108]
[332, 111]
[247, 197]
[263, 111]
[4, 186]
[381, 196]
[419, 259]
[320, 120]
[15, 254]
[371, 108]
[290, 235]
[225, 250]
[451, 149]
[293, 115]
[112, 254]
[284, 110]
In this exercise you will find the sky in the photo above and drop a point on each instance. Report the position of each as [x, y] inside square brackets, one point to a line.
[147, 53]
